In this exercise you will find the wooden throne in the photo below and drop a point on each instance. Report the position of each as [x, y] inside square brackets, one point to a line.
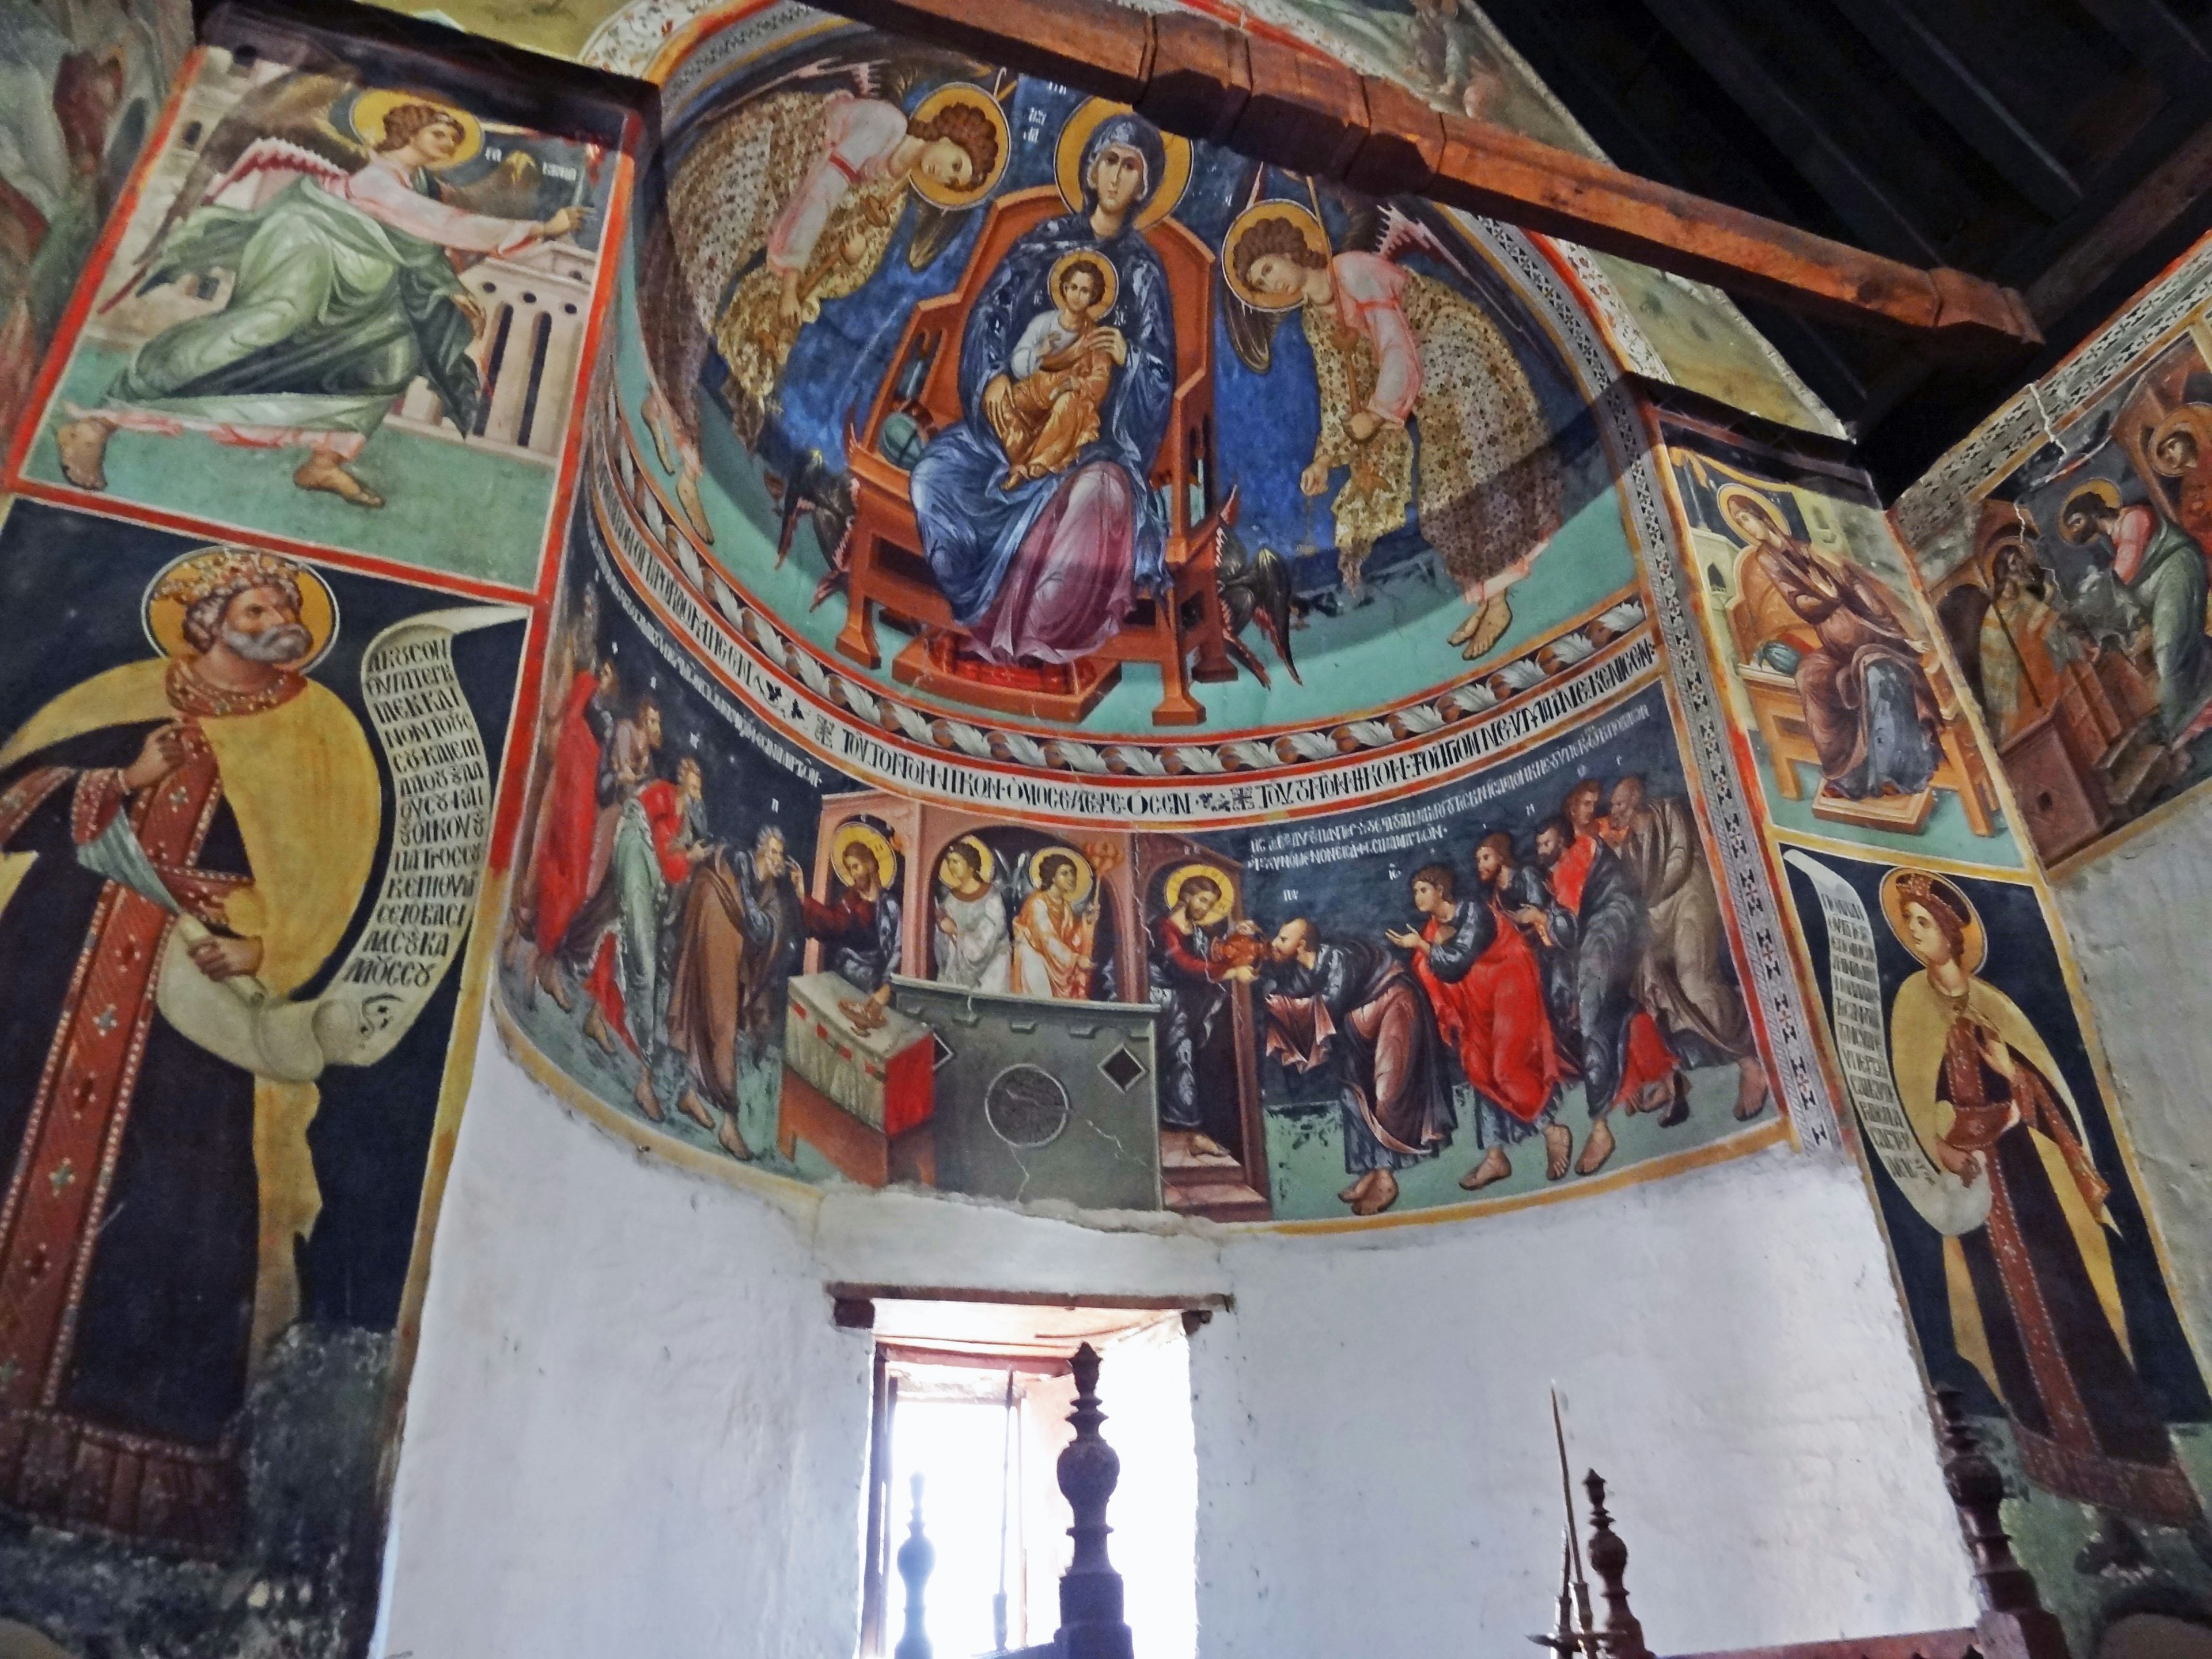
[1181, 632]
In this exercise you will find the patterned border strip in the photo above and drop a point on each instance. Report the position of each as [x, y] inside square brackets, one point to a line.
[1932, 517]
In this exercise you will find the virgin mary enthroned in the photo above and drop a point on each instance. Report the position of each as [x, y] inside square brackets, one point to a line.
[1046, 570]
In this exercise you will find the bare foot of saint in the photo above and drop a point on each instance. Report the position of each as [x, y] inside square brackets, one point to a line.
[727, 1138]
[1494, 1167]
[692, 1107]
[1379, 1197]
[694, 510]
[322, 471]
[1596, 1149]
[1559, 1146]
[83, 446]
[648, 1101]
[660, 427]
[1358, 1188]
[548, 980]
[595, 1027]
[1478, 635]
[1751, 1089]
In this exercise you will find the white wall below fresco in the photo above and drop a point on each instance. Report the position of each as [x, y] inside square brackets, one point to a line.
[633, 1429]
[2138, 919]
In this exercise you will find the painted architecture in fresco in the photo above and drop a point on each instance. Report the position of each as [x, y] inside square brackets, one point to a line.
[250, 793]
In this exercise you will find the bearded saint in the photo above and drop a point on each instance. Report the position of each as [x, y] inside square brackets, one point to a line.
[215, 813]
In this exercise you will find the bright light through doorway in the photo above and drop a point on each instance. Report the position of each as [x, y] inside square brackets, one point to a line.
[983, 1468]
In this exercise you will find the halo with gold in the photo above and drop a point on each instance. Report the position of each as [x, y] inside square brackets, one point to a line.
[1091, 260]
[1895, 898]
[972, 848]
[1223, 904]
[1292, 213]
[2194, 420]
[2097, 490]
[873, 839]
[974, 97]
[1732, 495]
[373, 107]
[189, 578]
[1086, 879]
[1075, 138]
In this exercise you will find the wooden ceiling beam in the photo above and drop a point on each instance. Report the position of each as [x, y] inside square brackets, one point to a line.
[1306, 113]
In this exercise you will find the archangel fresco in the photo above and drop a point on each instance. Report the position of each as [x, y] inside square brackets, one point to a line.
[349, 314]
[245, 801]
[2029, 1266]
[1103, 428]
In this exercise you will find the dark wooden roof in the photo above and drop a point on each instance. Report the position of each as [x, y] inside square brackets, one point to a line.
[2060, 147]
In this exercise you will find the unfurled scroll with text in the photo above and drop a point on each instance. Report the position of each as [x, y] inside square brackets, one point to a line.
[1945, 1202]
[442, 786]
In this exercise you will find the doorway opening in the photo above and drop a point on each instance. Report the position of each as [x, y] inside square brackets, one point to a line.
[974, 1397]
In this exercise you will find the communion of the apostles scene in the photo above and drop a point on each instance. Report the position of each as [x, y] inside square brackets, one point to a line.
[1186, 830]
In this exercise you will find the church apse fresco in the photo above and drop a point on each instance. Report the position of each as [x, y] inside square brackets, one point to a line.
[247, 801]
[344, 310]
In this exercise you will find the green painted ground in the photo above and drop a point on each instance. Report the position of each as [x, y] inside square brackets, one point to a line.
[1945, 835]
[446, 506]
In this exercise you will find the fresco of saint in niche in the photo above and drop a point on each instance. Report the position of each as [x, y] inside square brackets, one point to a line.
[339, 313]
[2080, 615]
[2028, 1266]
[236, 873]
[1855, 720]
[1071, 486]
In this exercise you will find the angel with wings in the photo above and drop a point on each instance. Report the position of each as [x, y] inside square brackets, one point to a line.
[345, 292]
[784, 204]
[1396, 353]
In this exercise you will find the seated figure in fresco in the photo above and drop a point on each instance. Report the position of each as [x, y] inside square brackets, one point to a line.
[1061, 370]
[1869, 705]
[2161, 568]
[973, 945]
[1351, 1007]
[1684, 978]
[1484, 982]
[2025, 644]
[1596, 914]
[2035, 1306]
[1047, 571]
[345, 292]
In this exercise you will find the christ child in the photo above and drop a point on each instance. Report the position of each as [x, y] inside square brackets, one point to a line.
[1062, 365]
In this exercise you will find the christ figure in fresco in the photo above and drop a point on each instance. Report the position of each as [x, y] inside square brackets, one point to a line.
[344, 294]
[219, 800]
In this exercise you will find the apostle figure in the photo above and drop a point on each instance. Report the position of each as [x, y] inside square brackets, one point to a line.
[2158, 564]
[2025, 644]
[1045, 571]
[735, 933]
[1596, 915]
[1056, 933]
[1350, 1005]
[619, 932]
[564, 868]
[974, 948]
[219, 800]
[1190, 967]
[1483, 980]
[1684, 978]
[2035, 1306]
[1868, 705]
[2181, 449]
[859, 927]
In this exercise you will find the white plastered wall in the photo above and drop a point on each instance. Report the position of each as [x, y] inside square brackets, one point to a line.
[633, 1429]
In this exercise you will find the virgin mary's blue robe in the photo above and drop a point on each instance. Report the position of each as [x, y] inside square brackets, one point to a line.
[972, 529]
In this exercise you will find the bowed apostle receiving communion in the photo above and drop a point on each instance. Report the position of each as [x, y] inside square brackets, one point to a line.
[810, 819]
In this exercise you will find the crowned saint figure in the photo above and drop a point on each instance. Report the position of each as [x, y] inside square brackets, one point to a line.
[209, 811]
